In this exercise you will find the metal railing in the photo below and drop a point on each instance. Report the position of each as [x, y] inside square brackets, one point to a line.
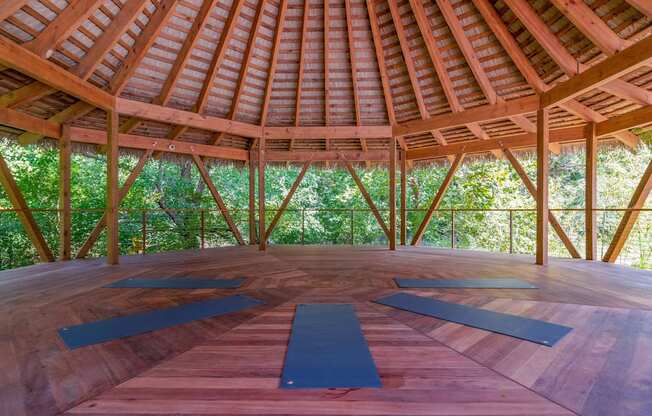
[152, 230]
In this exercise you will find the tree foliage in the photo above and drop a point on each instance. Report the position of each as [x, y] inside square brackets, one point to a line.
[179, 212]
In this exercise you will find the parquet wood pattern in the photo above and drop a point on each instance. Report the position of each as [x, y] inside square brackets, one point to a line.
[607, 362]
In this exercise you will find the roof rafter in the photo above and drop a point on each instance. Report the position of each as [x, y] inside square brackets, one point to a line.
[240, 84]
[62, 26]
[142, 45]
[302, 66]
[354, 68]
[280, 24]
[553, 46]
[528, 71]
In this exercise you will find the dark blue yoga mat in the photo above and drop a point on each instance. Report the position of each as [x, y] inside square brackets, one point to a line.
[328, 350]
[125, 326]
[533, 330]
[463, 283]
[178, 283]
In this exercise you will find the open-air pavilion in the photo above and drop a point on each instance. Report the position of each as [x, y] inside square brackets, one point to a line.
[346, 84]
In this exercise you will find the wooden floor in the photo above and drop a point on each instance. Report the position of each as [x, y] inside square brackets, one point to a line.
[231, 365]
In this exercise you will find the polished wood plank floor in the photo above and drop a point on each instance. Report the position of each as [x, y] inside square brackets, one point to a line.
[603, 368]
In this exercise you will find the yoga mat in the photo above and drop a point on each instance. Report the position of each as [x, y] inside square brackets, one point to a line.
[178, 283]
[328, 350]
[533, 330]
[125, 326]
[463, 283]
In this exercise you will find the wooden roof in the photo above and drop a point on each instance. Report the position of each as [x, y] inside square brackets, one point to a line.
[306, 63]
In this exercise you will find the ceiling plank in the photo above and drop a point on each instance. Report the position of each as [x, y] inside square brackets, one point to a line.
[278, 34]
[142, 45]
[62, 27]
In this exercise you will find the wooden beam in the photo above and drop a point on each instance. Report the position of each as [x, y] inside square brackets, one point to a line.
[252, 199]
[157, 22]
[532, 189]
[218, 198]
[9, 7]
[367, 198]
[332, 132]
[26, 62]
[23, 212]
[62, 27]
[262, 242]
[30, 92]
[65, 208]
[622, 63]
[354, 68]
[543, 141]
[328, 156]
[624, 122]
[124, 190]
[218, 56]
[644, 6]
[112, 193]
[522, 62]
[278, 35]
[131, 141]
[186, 118]
[392, 193]
[127, 14]
[483, 113]
[629, 218]
[75, 111]
[438, 198]
[591, 25]
[403, 197]
[382, 69]
[591, 193]
[24, 121]
[287, 200]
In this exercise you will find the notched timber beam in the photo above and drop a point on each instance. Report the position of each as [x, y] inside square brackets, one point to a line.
[32, 65]
[367, 198]
[629, 218]
[124, 190]
[186, 118]
[218, 198]
[331, 132]
[532, 189]
[24, 213]
[286, 200]
[328, 156]
[437, 199]
[622, 63]
[475, 115]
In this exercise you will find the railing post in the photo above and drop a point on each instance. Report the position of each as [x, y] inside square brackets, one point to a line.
[351, 226]
[143, 229]
[511, 238]
[303, 226]
[452, 228]
[202, 227]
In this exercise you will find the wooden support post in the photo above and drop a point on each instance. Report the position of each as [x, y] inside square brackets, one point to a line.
[252, 199]
[438, 198]
[101, 224]
[287, 200]
[403, 198]
[218, 198]
[532, 189]
[112, 197]
[543, 143]
[590, 195]
[629, 218]
[392, 193]
[367, 197]
[65, 216]
[23, 212]
[262, 244]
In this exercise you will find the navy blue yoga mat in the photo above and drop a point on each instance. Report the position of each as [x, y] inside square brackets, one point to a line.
[533, 330]
[464, 283]
[178, 283]
[125, 326]
[328, 350]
